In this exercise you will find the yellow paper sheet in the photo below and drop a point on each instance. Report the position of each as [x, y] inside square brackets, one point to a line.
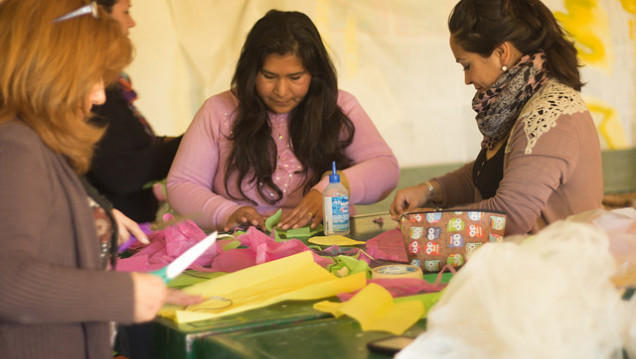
[334, 240]
[296, 277]
[374, 309]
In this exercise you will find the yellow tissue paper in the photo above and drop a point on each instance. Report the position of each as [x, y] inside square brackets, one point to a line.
[374, 309]
[296, 277]
[334, 240]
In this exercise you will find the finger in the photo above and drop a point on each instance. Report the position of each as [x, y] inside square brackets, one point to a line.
[315, 222]
[181, 298]
[136, 231]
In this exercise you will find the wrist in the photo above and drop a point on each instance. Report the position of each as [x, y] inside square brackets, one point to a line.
[433, 192]
[430, 188]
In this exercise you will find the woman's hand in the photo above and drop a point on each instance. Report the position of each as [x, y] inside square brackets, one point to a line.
[245, 215]
[126, 227]
[181, 298]
[409, 198]
[308, 211]
[150, 294]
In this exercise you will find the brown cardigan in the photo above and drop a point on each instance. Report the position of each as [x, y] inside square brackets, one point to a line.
[552, 165]
[55, 302]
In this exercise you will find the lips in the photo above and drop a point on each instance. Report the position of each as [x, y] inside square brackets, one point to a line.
[281, 103]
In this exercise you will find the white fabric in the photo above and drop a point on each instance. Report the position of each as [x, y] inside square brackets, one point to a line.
[549, 297]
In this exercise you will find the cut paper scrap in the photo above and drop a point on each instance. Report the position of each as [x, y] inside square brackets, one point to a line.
[374, 309]
[400, 287]
[296, 277]
[302, 233]
[260, 248]
[345, 265]
[166, 245]
[332, 240]
[388, 245]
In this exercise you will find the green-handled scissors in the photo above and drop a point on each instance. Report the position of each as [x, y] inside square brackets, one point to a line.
[182, 262]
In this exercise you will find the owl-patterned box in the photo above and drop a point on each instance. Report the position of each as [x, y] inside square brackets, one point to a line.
[436, 238]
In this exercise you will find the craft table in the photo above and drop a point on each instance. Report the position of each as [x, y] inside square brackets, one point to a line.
[288, 328]
[323, 338]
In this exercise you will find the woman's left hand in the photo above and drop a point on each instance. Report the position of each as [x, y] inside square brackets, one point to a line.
[126, 227]
[308, 211]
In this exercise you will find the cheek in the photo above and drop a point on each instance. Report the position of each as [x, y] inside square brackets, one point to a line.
[301, 88]
[262, 88]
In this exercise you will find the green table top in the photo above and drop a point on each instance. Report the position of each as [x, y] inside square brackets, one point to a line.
[323, 338]
[163, 338]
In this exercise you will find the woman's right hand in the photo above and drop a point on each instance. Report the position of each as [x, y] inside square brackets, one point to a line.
[150, 294]
[409, 198]
[245, 215]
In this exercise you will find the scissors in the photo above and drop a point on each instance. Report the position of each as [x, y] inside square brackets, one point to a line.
[182, 262]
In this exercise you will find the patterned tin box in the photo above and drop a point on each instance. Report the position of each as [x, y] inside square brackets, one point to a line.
[436, 238]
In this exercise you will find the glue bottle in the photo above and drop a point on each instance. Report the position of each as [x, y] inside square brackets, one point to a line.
[335, 204]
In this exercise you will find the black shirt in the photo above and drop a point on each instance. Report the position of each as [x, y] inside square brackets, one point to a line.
[488, 173]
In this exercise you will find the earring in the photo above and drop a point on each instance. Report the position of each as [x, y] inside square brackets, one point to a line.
[504, 68]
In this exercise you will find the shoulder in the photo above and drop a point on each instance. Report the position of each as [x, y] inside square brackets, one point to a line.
[16, 131]
[216, 114]
[547, 108]
[346, 100]
[553, 100]
[221, 102]
[22, 145]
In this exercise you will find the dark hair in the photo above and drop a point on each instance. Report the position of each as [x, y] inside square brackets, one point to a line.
[318, 129]
[107, 4]
[481, 25]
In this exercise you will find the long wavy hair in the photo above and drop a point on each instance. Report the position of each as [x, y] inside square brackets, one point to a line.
[481, 25]
[318, 128]
[47, 71]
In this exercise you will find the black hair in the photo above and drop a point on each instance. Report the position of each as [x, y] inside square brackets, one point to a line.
[318, 129]
[481, 25]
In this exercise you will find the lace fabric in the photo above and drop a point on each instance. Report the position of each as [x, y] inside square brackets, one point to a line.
[541, 112]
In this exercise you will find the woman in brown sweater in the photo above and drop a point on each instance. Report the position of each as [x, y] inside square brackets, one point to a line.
[540, 159]
[55, 298]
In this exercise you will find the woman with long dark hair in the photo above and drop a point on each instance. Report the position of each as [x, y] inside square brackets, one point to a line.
[540, 159]
[269, 141]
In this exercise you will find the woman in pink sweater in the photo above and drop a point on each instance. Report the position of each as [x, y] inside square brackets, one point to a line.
[540, 159]
[269, 141]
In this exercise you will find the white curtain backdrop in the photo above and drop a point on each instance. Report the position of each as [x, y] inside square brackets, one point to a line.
[393, 55]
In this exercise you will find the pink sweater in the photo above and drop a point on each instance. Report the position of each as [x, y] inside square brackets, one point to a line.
[552, 165]
[195, 184]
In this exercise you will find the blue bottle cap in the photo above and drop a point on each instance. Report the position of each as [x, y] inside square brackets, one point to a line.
[334, 177]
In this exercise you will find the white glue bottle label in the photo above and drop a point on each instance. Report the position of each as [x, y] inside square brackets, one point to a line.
[335, 204]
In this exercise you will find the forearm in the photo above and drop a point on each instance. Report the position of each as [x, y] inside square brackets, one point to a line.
[454, 188]
[64, 294]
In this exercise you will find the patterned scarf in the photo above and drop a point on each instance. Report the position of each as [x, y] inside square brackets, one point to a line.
[498, 107]
[127, 92]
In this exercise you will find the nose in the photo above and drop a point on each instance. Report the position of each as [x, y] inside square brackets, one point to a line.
[280, 88]
[467, 79]
[98, 97]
